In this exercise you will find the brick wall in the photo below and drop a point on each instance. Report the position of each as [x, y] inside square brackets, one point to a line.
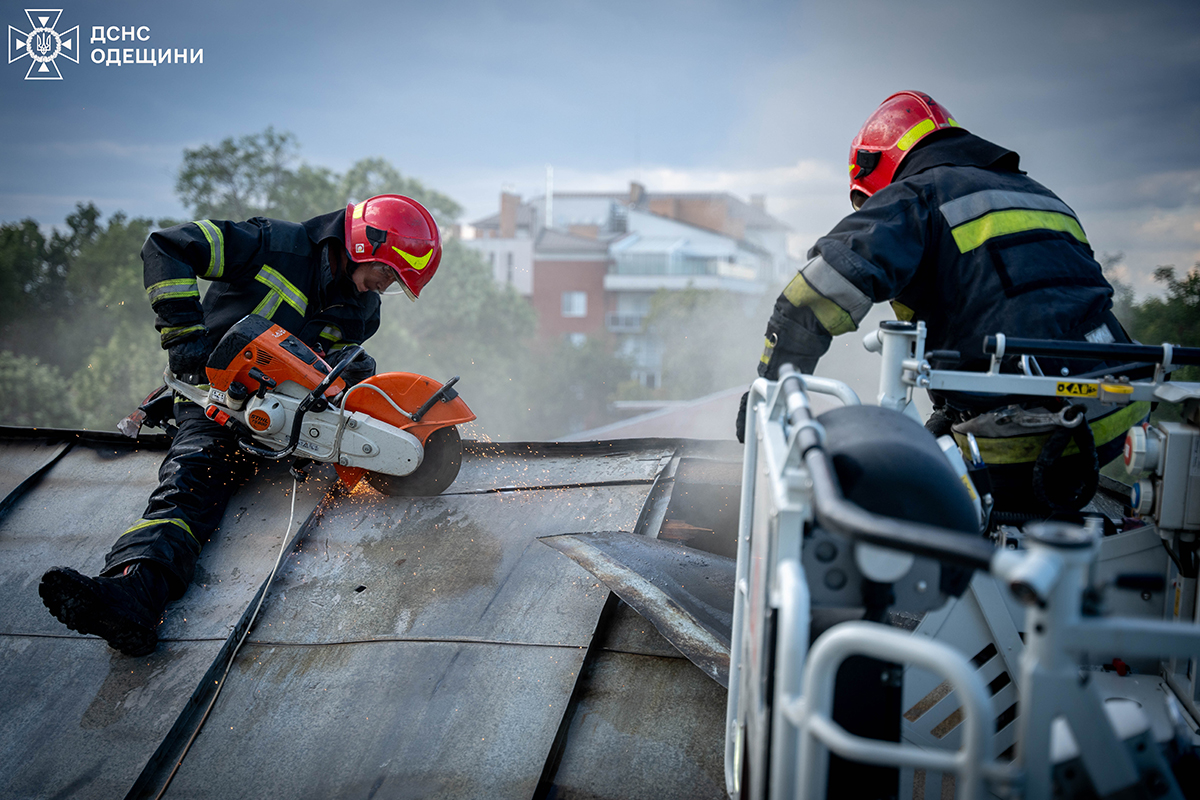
[551, 279]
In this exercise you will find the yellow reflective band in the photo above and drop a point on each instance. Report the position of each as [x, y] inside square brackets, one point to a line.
[269, 305]
[835, 319]
[331, 333]
[967, 482]
[204, 387]
[175, 288]
[274, 279]
[1025, 449]
[414, 262]
[953, 122]
[216, 248]
[168, 335]
[358, 210]
[768, 347]
[1016, 220]
[913, 134]
[902, 312]
[146, 523]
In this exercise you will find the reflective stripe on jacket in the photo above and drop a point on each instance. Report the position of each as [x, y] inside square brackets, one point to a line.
[967, 244]
[279, 270]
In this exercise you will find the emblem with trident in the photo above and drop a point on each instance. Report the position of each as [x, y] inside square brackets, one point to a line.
[43, 45]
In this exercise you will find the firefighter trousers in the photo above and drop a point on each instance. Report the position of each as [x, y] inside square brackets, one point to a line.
[201, 471]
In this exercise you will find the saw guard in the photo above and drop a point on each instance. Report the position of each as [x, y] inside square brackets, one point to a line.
[409, 391]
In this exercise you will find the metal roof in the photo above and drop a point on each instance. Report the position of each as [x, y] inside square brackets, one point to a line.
[409, 647]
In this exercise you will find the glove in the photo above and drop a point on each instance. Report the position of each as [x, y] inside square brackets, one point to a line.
[357, 371]
[741, 418]
[188, 359]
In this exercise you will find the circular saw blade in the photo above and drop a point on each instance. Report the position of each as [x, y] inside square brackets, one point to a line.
[439, 468]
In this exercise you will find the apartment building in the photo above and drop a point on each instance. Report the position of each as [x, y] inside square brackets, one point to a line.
[590, 262]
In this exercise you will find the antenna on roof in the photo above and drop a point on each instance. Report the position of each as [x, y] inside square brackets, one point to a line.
[549, 196]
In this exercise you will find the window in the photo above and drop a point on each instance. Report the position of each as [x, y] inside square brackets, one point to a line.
[574, 304]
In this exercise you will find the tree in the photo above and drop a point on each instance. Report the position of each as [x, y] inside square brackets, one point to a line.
[87, 329]
[34, 279]
[465, 325]
[571, 387]
[253, 176]
[371, 176]
[237, 178]
[34, 394]
[105, 284]
[23, 267]
[710, 340]
[82, 288]
[119, 373]
[307, 192]
[1174, 318]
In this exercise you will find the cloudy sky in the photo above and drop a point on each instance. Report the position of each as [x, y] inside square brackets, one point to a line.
[1101, 98]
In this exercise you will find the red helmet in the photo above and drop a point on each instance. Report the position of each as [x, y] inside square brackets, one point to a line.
[887, 136]
[398, 231]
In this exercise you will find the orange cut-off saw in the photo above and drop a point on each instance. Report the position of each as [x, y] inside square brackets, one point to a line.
[397, 429]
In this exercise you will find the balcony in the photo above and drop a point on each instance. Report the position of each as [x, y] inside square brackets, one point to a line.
[663, 264]
[624, 323]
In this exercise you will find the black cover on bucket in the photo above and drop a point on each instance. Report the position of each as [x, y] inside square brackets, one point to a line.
[888, 464]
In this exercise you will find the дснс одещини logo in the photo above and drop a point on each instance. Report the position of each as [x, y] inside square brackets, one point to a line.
[43, 44]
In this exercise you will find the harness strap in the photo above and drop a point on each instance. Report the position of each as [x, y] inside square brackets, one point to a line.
[1074, 497]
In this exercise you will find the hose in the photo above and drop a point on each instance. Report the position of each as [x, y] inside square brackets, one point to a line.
[237, 647]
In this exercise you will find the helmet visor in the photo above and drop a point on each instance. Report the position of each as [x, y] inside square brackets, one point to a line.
[399, 288]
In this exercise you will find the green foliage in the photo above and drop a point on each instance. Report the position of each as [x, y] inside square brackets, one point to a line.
[105, 283]
[33, 269]
[571, 388]
[34, 394]
[237, 178]
[371, 176]
[50, 282]
[22, 268]
[709, 341]
[305, 193]
[1174, 318]
[86, 304]
[463, 312]
[465, 325]
[118, 374]
[125, 361]
[253, 176]
[75, 310]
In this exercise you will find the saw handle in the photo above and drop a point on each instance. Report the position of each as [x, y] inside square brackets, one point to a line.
[317, 394]
[264, 381]
[445, 393]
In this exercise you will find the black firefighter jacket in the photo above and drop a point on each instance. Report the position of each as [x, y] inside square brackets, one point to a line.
[278, 270]
[962, 240]
[966, 242]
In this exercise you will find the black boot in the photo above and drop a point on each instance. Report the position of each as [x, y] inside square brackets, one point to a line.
[124, 610]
